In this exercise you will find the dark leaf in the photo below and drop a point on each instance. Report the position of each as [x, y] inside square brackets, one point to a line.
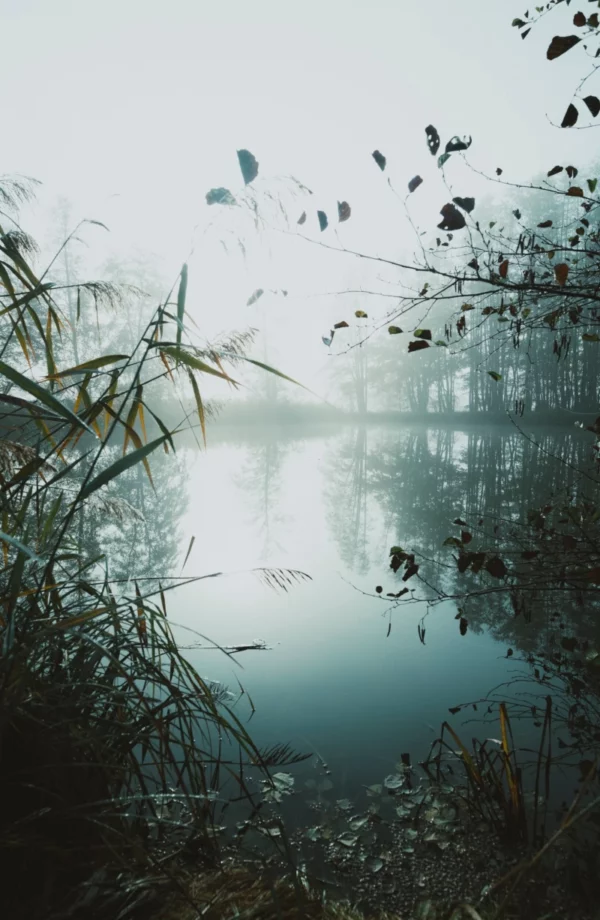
[496, 567]
[360, 314]
[302, 218]
[443, 159]
[590, 337]
[571, 171]
[220, 196]
[467, 204]
[460, 522]
[561, 273]
[458, 143]
[592, 183]
[342, 325]
[545, 224]
[433, 139]
[323, 222]
[344, 211]
[379, 159]
[569, 643]
[561, 44]
[503, 269]
[463, 626]
[593, 104]
[417, 346]
[526, 32]
[495, 375]
[410, 571]
[248, 165]
[452, 218]
[454, 710]
[452, 541]
[400, 593]
[257, 294]
[474, 264]
[519, 23]
[498, 171]
[571, 116]
[555, 170]
[414, 183]
[579, 19]
[379, 589]
[394, 330]
[509, 653]
[422, 334]
[517, 213]
[466, 537]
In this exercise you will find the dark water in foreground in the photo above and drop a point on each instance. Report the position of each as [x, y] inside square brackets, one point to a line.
[336, 680]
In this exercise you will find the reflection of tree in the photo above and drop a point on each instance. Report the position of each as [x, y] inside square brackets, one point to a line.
[346, 497]
[137, 528]
[423, 480]
[260, 479]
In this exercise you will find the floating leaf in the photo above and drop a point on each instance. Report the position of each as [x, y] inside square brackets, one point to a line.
[220, 196]
[467, 204]
[422, 334]
[590, 337]
[414, 183]
[579, 19]
[344, 211]
[499, 171]
[433, 139]
[355, 824]
[517, 213]
[495, 375]
[463, 625]
[452, 218]
[327, 341]
[393, 782]
[254, 297]
[458, 143]
[347, 840]
[342, 325]
[418, 345]
[379, 159]
[570, 118]
[571, 171]
[394, 330]
[545, 224]
[443, 159]
[379, 589]
[592, 183]
[555, 170]
[593, 104]
[360, 314]
[302, 218]
[248, 165]
[561, 273]
[323, 222]
[560, 45]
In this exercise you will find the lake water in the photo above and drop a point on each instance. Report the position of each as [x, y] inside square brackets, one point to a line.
[336, 679]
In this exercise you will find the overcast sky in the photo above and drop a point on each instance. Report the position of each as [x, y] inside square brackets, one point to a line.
[135, 108]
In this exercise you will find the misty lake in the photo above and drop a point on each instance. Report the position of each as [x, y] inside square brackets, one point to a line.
[344, 676]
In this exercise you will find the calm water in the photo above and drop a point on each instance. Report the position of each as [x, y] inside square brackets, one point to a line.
[333, 681]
